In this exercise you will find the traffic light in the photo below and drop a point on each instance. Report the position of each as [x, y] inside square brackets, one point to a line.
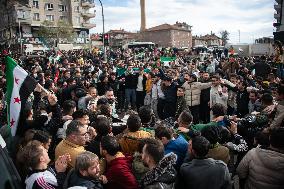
[106, 39]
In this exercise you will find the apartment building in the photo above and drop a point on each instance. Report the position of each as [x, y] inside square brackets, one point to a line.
[279, 23]
[166, 35]
[207, 40]
[23, 18]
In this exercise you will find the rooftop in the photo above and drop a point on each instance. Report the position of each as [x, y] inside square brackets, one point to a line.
[207, 37]
[166, 27]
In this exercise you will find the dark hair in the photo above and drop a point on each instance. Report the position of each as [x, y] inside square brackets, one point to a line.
[225, 135]
[280, 90]
[162, 131]
[108, 89]
[267, 99]
[254, 92]
[133, 123]
[102, 77]
[201, 146]
[70, 80]
[233, 75]
[41, 136]
[186, 117]
[262, 138]
[216, 77]
[110, 144]
[154, 148]
[80, 114]
[218, 110]
[180, 87]
[68, 106]
[73, 127]
[276, 138]
[211, 133]
[145, 114]
[104, 109]
[102, 126]
[102, 101]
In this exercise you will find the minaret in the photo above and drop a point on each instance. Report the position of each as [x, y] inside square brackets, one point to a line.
[143, 16]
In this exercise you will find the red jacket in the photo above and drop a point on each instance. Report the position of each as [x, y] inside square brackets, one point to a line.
[119, 174]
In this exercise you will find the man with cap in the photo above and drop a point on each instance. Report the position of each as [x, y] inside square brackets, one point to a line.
[192, 94]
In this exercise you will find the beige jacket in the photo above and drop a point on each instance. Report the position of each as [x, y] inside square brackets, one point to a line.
[193, 91]
[279, 117]
[262, 168]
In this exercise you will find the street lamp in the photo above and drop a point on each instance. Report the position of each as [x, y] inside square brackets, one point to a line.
[20, 35]
[105, 57]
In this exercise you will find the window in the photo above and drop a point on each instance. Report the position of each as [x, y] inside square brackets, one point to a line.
[77, 20]
[36, 17]
[62, 8]
[63, 18]
[50, 17]
[21, 14]
[49, 6]
[35, 4]
[76, 9]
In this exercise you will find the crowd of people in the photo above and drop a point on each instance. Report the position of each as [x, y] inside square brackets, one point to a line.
[134, 122]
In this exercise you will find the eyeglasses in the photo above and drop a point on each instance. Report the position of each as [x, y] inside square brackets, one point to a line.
[83, 134]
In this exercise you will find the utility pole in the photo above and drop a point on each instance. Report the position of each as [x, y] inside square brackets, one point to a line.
[20, 35]
[103, 17]
[239, 36]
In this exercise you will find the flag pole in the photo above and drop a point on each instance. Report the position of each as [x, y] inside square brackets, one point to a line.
[43, 89]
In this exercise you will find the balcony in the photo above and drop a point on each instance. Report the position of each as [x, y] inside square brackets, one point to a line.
[24, 20]
[277, 7]
[277, 16]
[88, 4]
[88, 15]
[88, 25]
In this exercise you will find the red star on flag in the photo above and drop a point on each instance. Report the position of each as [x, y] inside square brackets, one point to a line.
[12, 122]
[17, 100]
[17, 81]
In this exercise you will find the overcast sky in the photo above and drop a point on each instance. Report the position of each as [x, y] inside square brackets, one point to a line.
[254, 18]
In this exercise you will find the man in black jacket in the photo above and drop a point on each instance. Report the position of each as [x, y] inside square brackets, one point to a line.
[203, 172]
[262, 69]
[130, 87]
[204, 100]
[242, 99]
[86, 172]
[170, 93]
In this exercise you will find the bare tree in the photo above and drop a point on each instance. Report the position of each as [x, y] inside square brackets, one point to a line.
[53, 33]
[224, 36]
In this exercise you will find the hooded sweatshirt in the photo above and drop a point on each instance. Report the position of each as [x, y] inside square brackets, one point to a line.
[262, 168]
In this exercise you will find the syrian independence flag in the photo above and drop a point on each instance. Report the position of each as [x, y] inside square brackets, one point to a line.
[58, 57]
[19, 87]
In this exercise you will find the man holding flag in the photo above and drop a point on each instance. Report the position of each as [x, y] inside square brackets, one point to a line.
[19, 87]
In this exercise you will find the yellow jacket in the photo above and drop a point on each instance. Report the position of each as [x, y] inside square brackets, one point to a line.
[148, 85]
[65, 147]
[130, 141]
